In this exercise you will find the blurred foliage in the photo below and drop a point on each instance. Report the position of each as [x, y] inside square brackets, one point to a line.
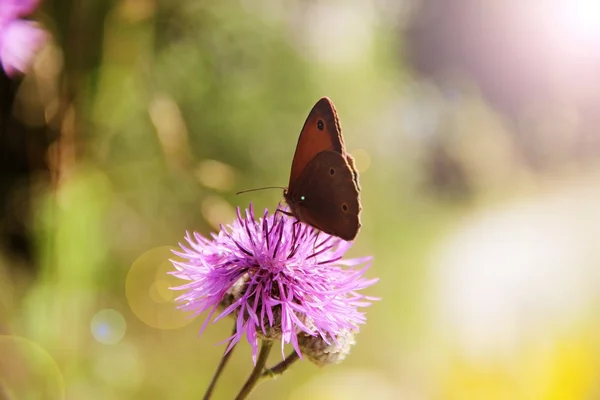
[142, 119]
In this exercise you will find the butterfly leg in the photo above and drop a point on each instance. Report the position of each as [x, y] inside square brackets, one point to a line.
[289, 214]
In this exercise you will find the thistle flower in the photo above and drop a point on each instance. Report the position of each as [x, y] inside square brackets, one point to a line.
[20, 40]
[279, 279]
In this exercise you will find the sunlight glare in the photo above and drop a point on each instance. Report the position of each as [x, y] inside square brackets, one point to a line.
[581, 19]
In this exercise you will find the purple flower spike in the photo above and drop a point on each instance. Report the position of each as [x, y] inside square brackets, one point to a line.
[20, 40]
[276, 277]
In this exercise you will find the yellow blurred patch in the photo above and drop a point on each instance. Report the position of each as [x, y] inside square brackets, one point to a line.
[567, 368]
[146, 290]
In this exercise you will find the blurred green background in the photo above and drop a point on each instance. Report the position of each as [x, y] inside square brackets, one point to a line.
[475, 130]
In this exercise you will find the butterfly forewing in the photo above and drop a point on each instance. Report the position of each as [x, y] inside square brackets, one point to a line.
[321, 132]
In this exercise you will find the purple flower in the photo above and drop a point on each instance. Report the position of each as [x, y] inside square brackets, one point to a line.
[20, 40]
[277, 278]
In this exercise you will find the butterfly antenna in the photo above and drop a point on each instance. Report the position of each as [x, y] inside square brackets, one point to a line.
[263, 188]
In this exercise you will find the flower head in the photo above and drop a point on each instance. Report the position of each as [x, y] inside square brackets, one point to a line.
[276, 277]
[20, 40]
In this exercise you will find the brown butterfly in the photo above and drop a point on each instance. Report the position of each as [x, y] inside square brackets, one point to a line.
[323, 191]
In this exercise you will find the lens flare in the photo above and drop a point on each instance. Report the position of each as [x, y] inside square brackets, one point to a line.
[27, 371]
[108, 326]
[147, 290]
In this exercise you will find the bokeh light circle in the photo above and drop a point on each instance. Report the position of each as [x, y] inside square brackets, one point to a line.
[148, 293]
[108, 326]
[27, 371]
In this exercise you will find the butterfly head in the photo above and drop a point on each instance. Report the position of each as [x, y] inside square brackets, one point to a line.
[293, 199]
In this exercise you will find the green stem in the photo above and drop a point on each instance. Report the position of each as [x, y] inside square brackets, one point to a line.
[219, 370]
[281, 367]
[254, 377]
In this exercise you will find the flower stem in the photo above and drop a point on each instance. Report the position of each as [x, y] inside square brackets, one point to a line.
[281, 367]
[254, 377]
[220, 368]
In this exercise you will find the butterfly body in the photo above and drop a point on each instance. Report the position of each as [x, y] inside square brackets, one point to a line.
[323, 190]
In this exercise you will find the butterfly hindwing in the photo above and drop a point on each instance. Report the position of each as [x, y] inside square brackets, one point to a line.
[327, 196]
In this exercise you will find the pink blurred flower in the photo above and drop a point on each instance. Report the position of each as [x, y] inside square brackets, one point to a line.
[11, 9]
[20, 40]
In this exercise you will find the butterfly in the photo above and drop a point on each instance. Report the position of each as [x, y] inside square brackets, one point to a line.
[323, 191]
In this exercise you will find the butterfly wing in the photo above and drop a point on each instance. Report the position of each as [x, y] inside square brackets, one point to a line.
[321, 132]
[327, 195]
[352, 166]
